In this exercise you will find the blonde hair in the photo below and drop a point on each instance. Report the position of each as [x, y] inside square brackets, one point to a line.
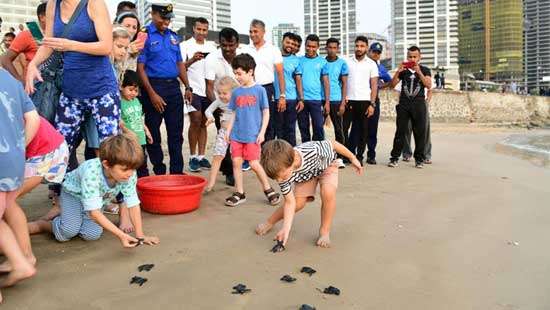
[122, 149]
[119, 32]
[277, 155]
[225, 81]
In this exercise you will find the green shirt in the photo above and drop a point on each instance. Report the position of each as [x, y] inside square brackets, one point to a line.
[132, 118]
[88, 183]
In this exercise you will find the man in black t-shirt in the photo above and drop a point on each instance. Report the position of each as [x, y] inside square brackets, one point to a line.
[415, 79]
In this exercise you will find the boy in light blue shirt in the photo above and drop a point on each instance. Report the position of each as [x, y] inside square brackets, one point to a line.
[338, 78]
[316, 87]
[293, 86]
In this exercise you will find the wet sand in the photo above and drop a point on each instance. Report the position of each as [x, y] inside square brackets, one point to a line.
[468, 232]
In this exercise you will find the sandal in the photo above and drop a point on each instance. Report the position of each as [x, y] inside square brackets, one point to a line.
[273, 197]
[235, 199]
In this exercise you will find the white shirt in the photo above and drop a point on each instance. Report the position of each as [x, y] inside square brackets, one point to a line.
[196, 72]
[266, 57]
[217, 67]
[360, 73]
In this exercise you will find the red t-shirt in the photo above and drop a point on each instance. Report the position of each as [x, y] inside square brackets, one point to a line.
[46, 140]
[24, 43]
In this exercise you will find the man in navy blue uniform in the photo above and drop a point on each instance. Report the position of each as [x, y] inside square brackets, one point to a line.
[159, 66]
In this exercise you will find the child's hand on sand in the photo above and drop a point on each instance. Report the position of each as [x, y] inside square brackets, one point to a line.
[150, 240]
[128, 241]
[282, 235]
[357, 166]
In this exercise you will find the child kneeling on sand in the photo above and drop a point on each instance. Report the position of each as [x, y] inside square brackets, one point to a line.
[303, 167]
[89, 188]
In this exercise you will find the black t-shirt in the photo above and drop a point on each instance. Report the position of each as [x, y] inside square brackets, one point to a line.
[411, 85]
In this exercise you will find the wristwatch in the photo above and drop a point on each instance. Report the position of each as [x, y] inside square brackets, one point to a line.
[189, 88]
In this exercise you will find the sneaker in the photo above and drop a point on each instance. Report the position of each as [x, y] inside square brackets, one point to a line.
[339, 163]
[205, 164]
[246, 165]
[194, 165]
[419, 165]
[406, 159]
[393, 163]
[230, 180]
[371, 161]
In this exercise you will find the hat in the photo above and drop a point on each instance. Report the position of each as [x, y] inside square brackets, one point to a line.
[166, 10]
[376, 47]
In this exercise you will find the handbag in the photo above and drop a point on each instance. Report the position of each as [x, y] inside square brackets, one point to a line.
[47, 92]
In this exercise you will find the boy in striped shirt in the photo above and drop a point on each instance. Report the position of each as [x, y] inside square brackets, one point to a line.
[298, 170]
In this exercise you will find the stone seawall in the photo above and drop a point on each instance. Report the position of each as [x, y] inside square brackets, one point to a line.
[479, 107]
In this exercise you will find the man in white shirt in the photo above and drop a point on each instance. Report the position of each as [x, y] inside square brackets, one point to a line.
[362, 93]
[269, 65]
[218, 65]
[193, 53]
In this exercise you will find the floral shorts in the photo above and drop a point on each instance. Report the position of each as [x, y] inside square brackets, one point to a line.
[51, 167]
[220, 148]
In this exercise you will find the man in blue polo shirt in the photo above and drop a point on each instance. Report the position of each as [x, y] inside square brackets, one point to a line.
[293, 87]
[338, 77]
[159, 66]
[316, 87]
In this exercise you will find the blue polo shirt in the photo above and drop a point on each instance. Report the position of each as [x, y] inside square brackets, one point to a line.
[161, 54]
[291, 68]
[336, 70]
[312, 71]
[383, 73]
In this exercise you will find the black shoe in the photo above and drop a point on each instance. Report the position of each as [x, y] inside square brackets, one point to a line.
[419, 165]
[371, 161]
[230, 180]
[346, 161]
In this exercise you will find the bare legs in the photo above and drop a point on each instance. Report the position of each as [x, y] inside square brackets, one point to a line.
[216, 164]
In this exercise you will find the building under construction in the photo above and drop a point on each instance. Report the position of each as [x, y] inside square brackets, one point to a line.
[491, 40]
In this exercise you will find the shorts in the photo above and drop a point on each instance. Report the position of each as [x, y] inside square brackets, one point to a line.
[51, 167]
[309, 188]
[247, 151]
[200, 103]
[220, 148]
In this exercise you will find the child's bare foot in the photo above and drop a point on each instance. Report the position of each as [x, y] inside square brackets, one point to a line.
[37, 227]
[208, 189]
[6, 267]
[263, 228]
[18, 274]
[126, 226]
[323, 241]
[53, 213]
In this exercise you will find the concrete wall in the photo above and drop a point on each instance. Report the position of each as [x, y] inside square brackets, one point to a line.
[479, 107]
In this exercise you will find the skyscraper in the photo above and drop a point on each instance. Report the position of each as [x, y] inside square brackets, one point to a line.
[279, 30]
[432, 25]
[332, 18]
[491, 39]
[537, 43]
[217, 12]
[15, 12]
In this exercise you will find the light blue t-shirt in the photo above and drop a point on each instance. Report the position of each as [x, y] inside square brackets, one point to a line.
[291, 68]
[248, 104]
[312, 71]
[14, 103]
[336, 69]
[88, 183]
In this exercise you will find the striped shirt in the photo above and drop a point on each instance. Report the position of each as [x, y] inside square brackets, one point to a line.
[317, 156]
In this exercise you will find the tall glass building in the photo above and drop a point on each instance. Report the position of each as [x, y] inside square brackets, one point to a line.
[332, 18]
[537, 43]
[491, 40]
[432, 25]
[279, 30]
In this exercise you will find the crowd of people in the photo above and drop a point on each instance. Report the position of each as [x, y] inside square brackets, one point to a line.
[119, 81]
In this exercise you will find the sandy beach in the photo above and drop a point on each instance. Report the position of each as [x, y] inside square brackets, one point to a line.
[467, 232]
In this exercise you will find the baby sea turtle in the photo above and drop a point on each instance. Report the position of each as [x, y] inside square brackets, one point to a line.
[279, 247]
[331, 290]
[139, 242]
[287, 278]
[240, 289]
[310, 271]
[307, 307]
[146, 267]
[138, 280]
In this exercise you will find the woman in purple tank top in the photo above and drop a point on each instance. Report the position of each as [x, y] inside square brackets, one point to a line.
[89, 84]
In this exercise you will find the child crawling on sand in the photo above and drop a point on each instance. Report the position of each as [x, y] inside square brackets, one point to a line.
[298, 171]
[89, 188]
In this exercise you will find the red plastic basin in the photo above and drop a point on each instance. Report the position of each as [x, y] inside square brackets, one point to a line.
[170, 194]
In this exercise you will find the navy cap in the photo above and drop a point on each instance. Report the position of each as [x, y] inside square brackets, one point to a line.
[165, 10]
[376, 47]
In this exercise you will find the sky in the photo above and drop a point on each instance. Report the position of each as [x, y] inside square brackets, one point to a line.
[372, 16]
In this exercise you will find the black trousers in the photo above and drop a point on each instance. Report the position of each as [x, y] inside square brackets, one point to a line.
[355, 116]
[226, 166]
[413, 111]
[337, 124]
